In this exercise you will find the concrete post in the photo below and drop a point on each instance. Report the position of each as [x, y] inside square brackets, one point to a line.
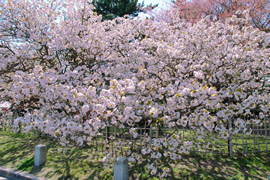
[121, 168]
[40, 154]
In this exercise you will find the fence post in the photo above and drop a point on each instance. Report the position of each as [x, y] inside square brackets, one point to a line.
[230, 140]
[40, 154]
[231, 147]
[120, 168]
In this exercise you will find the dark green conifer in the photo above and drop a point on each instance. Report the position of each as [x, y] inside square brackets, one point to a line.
[110, 9]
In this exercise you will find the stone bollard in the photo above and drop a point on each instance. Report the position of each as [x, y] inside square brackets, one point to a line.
[40, 154]
[120, 168]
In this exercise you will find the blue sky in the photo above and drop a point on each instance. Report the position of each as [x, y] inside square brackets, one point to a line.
[161, 3]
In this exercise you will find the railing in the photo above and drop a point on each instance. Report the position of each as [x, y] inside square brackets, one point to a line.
[212, 143]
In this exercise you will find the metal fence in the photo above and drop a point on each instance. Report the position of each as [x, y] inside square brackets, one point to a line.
[237, 144]
[212, 143]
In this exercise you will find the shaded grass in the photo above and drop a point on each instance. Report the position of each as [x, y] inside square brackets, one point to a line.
[26, 164]
[17, 152]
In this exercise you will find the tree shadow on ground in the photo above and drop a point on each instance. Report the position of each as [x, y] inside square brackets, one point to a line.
[206, 167]
[210, 167]
[16, 149]
[86, 161]
[70, 160]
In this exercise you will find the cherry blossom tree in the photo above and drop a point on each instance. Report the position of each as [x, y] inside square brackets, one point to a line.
[192, 11]
[85, 75]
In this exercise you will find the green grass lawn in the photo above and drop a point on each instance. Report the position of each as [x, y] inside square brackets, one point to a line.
[17, 152]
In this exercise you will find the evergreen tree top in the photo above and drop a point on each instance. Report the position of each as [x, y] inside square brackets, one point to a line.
[110, 9]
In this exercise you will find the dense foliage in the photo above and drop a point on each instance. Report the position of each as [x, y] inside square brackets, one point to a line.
[192, 11]
[125, 71]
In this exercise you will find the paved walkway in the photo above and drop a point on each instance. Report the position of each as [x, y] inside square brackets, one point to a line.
[3, 178]
[18, 175]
